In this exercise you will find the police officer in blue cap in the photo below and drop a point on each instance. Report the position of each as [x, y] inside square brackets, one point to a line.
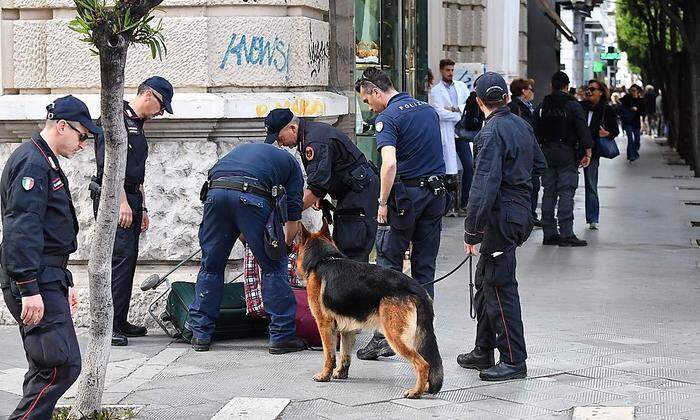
[412, 198]
[254, 191]
[499, 218]
[335, 166]
[154, 96]
[40, 229]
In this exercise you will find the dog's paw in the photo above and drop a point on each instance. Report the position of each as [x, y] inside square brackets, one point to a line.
[412, 394]
[340, 373]
[322, 377]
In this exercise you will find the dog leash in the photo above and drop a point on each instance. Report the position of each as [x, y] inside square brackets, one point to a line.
[472, 313]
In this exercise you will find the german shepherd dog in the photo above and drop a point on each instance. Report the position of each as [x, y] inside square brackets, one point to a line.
[346, 295]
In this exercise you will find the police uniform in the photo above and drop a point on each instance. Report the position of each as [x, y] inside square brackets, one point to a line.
[499, 217]
[418, 198]
[126, 241]
[40, 228]
[253, 191]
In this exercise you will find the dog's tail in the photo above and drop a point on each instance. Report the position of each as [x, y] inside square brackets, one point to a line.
[426, 343]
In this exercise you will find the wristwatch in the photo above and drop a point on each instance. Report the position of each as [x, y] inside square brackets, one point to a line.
[380, 202]
[144, 209]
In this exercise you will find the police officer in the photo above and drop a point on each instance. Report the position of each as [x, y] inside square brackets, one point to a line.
[498, 217]
[254, 190]
[40, 231]
[412, 197]
[154, 96]
[334, 165]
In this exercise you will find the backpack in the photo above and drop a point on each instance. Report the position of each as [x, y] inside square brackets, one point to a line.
[553, 119]
[472, 118]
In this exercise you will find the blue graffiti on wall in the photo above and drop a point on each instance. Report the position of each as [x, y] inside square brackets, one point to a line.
[258, 50]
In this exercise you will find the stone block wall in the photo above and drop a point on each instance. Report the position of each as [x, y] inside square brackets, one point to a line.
[465, 30]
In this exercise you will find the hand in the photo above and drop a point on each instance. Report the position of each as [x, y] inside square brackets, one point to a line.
[471, 249]
[125, 215]
[585, 162]
[73, 300]
[32, 309]
[382, 214]
[317, 205]
[634, 108]
[602, 132]
[144, 221]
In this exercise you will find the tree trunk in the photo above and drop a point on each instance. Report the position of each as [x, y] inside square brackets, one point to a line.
[692, 20]
[96, 356]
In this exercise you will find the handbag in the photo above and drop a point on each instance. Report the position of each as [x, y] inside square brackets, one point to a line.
[606, 146]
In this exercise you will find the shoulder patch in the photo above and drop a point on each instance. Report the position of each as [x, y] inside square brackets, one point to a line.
[379, 126]
[309, 152]
[27, 183]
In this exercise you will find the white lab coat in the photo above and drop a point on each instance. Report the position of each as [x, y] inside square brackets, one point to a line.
[439, 98]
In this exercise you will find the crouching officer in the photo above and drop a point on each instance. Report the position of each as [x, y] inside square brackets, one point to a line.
[334, 165]
[40, 229]
[153, 97]
[412, 198]
[499, 217]
[253, 191]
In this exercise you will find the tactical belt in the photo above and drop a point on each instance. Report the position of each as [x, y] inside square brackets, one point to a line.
[59, 261]
[436, 183]
[245, 187]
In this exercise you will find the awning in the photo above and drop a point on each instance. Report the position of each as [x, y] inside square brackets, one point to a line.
[556, 20]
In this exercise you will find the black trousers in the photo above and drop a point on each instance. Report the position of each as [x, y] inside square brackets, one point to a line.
[51, 349]
[355, 221]
[124, 258]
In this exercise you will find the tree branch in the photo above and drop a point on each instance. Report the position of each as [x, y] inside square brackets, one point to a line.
[143, 7]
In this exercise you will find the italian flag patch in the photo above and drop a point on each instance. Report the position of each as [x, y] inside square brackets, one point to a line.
[27, 183]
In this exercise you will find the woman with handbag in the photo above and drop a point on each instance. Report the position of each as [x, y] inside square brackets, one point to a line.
[602, 121]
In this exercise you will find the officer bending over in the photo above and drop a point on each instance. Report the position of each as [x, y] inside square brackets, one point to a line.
[334, 165]
[499, 218]
[254, 190]
[40, 231]
[412, 198]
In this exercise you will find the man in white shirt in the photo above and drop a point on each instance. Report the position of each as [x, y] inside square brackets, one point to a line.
[448, 98]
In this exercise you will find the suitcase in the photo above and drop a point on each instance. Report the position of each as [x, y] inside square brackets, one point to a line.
[305, 322]
[232, 322]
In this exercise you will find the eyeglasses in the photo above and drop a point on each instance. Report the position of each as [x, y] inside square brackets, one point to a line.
[591, 89]
[81, 136]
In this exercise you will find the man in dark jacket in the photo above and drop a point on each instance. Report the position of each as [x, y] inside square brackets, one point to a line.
[602, 122]
[631, 111]
[498, 217]
[561, 129]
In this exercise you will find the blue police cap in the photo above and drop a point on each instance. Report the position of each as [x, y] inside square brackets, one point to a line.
[491, 87]
[165, 89]
[70, 108]
[275, 121]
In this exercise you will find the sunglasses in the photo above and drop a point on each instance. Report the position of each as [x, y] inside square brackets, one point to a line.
[591, 89]
[160, 101]
[81, 136]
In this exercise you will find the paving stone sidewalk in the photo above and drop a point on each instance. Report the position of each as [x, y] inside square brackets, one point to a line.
[613, 324]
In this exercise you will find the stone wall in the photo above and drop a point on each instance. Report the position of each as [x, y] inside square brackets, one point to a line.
[465, 30]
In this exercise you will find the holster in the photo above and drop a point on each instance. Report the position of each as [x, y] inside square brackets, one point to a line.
[95, 188]
[204, 191]
[273, 237]
[4, 277]
[400, 207]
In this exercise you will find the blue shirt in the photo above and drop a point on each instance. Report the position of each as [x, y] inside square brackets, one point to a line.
[413, 127]
[270, 165]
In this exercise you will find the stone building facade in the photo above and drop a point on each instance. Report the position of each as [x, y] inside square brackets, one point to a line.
[230, 61]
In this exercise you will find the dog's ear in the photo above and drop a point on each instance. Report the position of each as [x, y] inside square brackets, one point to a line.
[325, 231]
[305, 234]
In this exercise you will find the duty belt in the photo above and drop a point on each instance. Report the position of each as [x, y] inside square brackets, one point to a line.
[246, 187]
[435, 183]
[59, 261]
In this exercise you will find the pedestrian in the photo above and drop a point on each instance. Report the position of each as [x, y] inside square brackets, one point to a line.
[412, 197]
[448, 98]
[466, 130]
[153, 97]
[649, 110]
[334, 166]
[522, 91]
[254, 191]
[40, 230]
[631, 111]
[660, 121]
[602, 123]
[580, 93]
[498, 218]
[561, 129]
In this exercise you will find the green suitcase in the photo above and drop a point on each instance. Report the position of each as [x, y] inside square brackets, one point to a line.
[233, 321]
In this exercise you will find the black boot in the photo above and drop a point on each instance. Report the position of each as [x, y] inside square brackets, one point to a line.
[377, 346]
[119, 339]
[479, 359]
[572, 241]
[200, 344]
[504, 371]
[289, 346]
[551, 240]
[131, 330]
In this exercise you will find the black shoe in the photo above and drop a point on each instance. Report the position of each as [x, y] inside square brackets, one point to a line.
[479, 359]
[119, 339]
[504, 371]
[537, 223]
[374, 349]
[289, 346]
[572, 241]
[200, 344]
[551, 240]
[131, 330]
